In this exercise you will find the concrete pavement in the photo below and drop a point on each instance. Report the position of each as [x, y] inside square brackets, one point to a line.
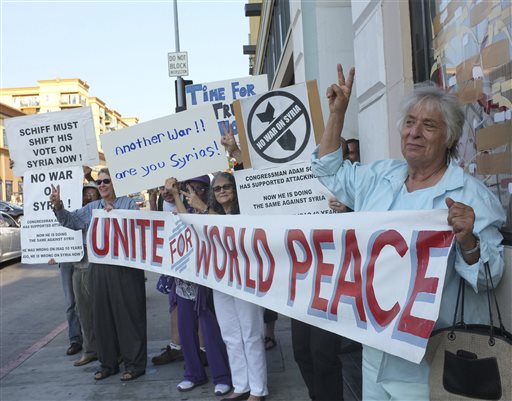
[45, 372]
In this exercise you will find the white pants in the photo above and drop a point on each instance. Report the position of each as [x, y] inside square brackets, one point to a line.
[242, 329]
[387, 389]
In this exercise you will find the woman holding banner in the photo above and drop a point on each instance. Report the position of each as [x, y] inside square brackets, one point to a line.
[430, 128]
[241, 323]
[119, 293]
[194, 310]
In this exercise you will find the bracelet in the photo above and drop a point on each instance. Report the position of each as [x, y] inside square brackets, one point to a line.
[205, 211]
[473, 250]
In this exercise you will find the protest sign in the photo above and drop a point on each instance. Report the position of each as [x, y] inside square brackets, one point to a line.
[291, 189]
[221, 95]
[182, 145]
[279, 127]
[42, 236]
[51, 140]
[376, 277]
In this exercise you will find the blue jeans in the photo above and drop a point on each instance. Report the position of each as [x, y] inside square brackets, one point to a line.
[74, 329]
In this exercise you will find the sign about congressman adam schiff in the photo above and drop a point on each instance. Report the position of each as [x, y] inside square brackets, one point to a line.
[52, 140]
[376, 277]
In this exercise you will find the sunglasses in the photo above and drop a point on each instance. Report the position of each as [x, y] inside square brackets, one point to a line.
[105, 181]
[225, 187]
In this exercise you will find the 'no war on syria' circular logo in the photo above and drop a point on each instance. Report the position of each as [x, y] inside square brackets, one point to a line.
[283, 137]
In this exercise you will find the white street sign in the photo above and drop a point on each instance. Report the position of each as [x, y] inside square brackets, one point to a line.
[178, 64]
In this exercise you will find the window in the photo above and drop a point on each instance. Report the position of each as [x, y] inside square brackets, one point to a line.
[279, 27]
[465, 47]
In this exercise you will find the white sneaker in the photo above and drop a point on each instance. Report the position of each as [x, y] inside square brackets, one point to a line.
[185, 385]
[222, 389]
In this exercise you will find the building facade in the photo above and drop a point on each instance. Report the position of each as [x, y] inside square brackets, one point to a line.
[463, 46]
[48, 96]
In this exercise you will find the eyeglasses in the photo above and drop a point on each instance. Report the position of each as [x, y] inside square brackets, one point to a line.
[225, 187]
[105, 181]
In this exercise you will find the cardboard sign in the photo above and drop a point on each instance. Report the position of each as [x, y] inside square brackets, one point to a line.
[362, 275]
[42, 236]
[292, 189]
[182, 145]
[221, 95]
[279, 127]
[50, 140]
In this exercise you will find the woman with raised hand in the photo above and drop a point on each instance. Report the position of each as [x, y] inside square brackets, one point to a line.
[194, 311]
[430, 126]
[119, 293]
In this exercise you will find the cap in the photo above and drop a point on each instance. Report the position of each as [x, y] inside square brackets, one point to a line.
[204, 179]
[91, 185]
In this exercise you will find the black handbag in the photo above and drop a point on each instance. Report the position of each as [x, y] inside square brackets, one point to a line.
[471, 361]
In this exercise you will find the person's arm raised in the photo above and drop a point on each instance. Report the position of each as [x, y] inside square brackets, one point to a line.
[338, 96]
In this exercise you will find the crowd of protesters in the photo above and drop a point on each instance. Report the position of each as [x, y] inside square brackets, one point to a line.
[230, 331]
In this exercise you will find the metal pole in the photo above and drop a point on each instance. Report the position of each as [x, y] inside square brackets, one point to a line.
[180, 94]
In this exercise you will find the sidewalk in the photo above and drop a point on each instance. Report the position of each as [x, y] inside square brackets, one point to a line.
[49, 374]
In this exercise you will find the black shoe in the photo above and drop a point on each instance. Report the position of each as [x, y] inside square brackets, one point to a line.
[239, 397]
[169, 355]
[73, 349]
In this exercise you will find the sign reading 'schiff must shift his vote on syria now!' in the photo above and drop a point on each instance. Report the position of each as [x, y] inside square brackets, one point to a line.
[182, 145]
[42, 236]
[222, 94]
[52, 140]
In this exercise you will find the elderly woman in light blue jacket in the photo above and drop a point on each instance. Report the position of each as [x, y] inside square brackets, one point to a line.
[430, 128]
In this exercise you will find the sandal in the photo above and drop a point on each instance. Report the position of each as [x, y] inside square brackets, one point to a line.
[270, 343]
[131, 375]
[104, 373]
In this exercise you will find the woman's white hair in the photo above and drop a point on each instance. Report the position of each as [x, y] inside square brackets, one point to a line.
[430, 95]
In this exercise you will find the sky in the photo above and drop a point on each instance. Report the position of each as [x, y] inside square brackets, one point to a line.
[120, 48]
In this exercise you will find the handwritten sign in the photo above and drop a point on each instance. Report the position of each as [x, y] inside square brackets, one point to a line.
[51, 140]
[182, 145]
[221, 95]
[42, 236]
[362, 275]
[291, 189]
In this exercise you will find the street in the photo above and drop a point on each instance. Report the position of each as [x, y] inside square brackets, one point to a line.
[34, 364]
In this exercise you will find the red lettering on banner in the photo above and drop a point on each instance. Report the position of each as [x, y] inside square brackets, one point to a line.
[349, 288]
[120, 235]
[230, 245]
[133, 236]
[158, 242]
[220, 270]
[298, 267]
[181, 244]
[322, 269]
[106, 238]
[395, 239]
[261, 238]
[249, 282]
[203, 251]
[425, 241]
[143, 224]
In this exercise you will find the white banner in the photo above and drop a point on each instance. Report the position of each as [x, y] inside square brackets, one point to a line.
[222, 94]
[182, 145]
[361, 275]
[51, 140]
[42, 237]
[291, 189]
